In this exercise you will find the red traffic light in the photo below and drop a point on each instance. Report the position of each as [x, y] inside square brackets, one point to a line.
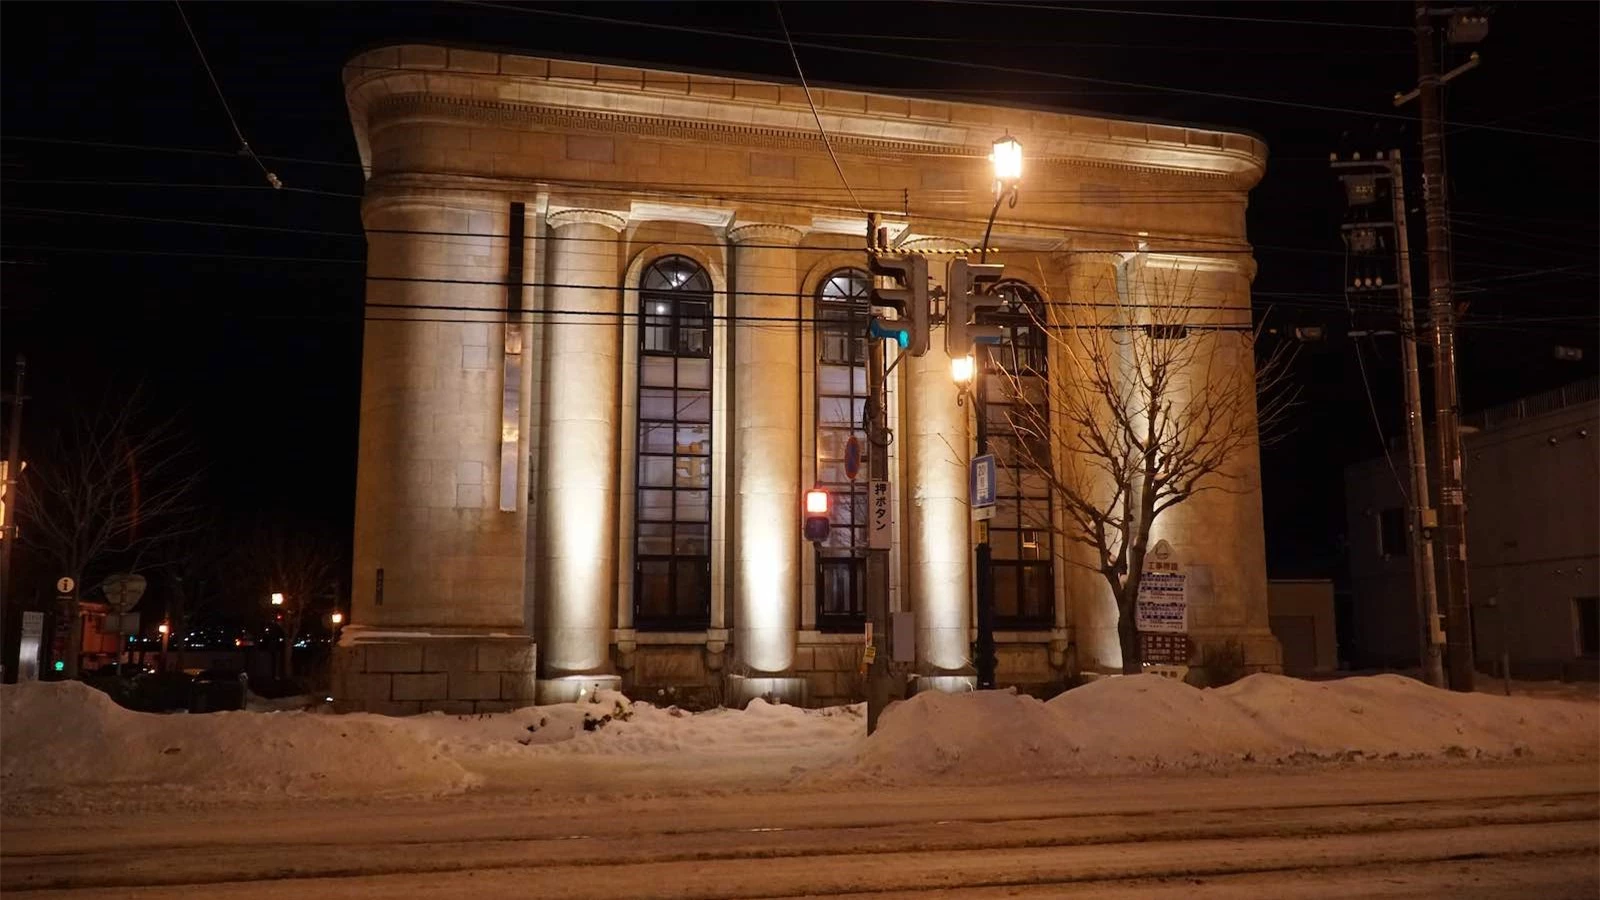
[816, 502]
[816, 526]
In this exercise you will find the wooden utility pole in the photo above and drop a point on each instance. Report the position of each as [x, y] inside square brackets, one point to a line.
[1421, 514]
[1451, 500]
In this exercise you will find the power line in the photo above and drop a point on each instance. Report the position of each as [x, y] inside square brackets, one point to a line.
[1015, 70]
[1128, 11]
[244, 145]
[812, 103]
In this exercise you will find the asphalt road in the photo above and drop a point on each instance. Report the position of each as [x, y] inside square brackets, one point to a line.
[1462, 831]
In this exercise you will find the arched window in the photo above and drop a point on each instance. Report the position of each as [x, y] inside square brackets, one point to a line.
[1017, 400]
[841, 394]
[672, 521]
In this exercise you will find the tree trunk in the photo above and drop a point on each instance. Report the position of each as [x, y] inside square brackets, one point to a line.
[75, 636]
[1128, 637]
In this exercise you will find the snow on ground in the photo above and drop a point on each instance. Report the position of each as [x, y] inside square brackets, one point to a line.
[1143, 723]
[66, 746]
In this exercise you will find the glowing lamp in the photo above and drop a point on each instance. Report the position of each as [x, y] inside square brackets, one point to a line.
[277, 598]
[961, 369]
[1007, 159]
[816, 524]
[337, 618]
[163, 628]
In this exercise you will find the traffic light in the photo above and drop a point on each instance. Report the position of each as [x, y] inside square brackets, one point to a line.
[909, 300]
[968, 285]
[817, 505]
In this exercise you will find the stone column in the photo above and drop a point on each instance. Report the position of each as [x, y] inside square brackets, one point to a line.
[437, 602]
[766, 462]
[939, 549]
[577, 494]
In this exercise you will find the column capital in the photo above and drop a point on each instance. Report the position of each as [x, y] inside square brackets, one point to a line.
[926, 242]
[561, 218]
[765, 233]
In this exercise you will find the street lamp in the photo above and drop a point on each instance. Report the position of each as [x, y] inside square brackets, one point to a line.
[1007, 160]
[337, 618]
[277, 598]
[166, 634]
[962, 370]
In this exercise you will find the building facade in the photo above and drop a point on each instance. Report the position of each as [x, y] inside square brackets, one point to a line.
[1532, 477]
[614, 332]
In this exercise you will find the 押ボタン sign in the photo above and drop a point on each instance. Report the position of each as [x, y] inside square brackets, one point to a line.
[880, 516]
[982, 486]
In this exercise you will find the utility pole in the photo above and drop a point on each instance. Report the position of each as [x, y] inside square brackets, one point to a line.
[8, 528]
[1451, 500]
[1373, 245]
[878, 676]
[1423, 517]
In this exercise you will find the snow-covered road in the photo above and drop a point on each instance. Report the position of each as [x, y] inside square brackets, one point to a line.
[1502, 830]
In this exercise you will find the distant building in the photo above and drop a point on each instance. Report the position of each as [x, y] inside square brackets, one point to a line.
[1532, 474]
[1300, 611]
[607, 490]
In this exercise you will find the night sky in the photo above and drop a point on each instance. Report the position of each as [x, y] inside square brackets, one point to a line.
[261, 357]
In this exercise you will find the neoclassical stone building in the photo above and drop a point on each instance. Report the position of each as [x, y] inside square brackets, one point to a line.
[613, 335]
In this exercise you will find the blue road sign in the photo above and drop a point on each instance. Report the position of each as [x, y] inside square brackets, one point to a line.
[852, 458]
[982, 483]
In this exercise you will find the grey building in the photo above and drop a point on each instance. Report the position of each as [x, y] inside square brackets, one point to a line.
[1532, 473]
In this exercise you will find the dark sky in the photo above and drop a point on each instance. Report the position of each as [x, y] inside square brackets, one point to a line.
[262, 357]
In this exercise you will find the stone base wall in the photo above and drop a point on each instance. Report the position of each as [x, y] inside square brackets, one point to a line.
[462, 675]
[690, 675]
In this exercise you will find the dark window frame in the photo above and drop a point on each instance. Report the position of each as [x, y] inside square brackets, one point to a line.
[840, 319]
[675, 306]
[1024, 353]
[1393, 533]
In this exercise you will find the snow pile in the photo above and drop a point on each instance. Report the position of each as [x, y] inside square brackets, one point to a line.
[1144, 723]
[611, 725]
[67, 744]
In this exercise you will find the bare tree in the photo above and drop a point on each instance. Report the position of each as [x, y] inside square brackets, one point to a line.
[105, 490]
[1151, 398]
[302, 566]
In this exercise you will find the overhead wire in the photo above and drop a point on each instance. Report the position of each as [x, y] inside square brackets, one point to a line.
[1017, 70]
[244, 145]
[794, 55]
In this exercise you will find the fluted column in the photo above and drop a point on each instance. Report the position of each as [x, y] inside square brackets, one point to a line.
[939, 551]
[577, 502]
[766, 442]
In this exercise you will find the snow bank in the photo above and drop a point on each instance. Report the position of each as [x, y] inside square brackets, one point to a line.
[66, 745]
[1144, 723]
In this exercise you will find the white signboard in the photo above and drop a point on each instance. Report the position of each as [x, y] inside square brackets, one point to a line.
[28, 652]
[880, 516]
[1161, 607]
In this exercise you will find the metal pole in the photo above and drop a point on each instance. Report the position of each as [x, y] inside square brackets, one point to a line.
[984, 659]
[8, 529]
[878, 677]
[1422, 570]
[1451, 504]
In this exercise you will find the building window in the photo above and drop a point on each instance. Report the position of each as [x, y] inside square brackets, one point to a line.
[1392, 531]
[1586, 616]
[1021, 534]
[841, 395]
[672, 521]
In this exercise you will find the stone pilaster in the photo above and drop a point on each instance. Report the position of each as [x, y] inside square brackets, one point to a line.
[766, 444]
[577, 495]
[434, 555]
[938, 545]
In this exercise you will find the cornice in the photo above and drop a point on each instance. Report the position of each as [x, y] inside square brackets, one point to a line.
[447, 84]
